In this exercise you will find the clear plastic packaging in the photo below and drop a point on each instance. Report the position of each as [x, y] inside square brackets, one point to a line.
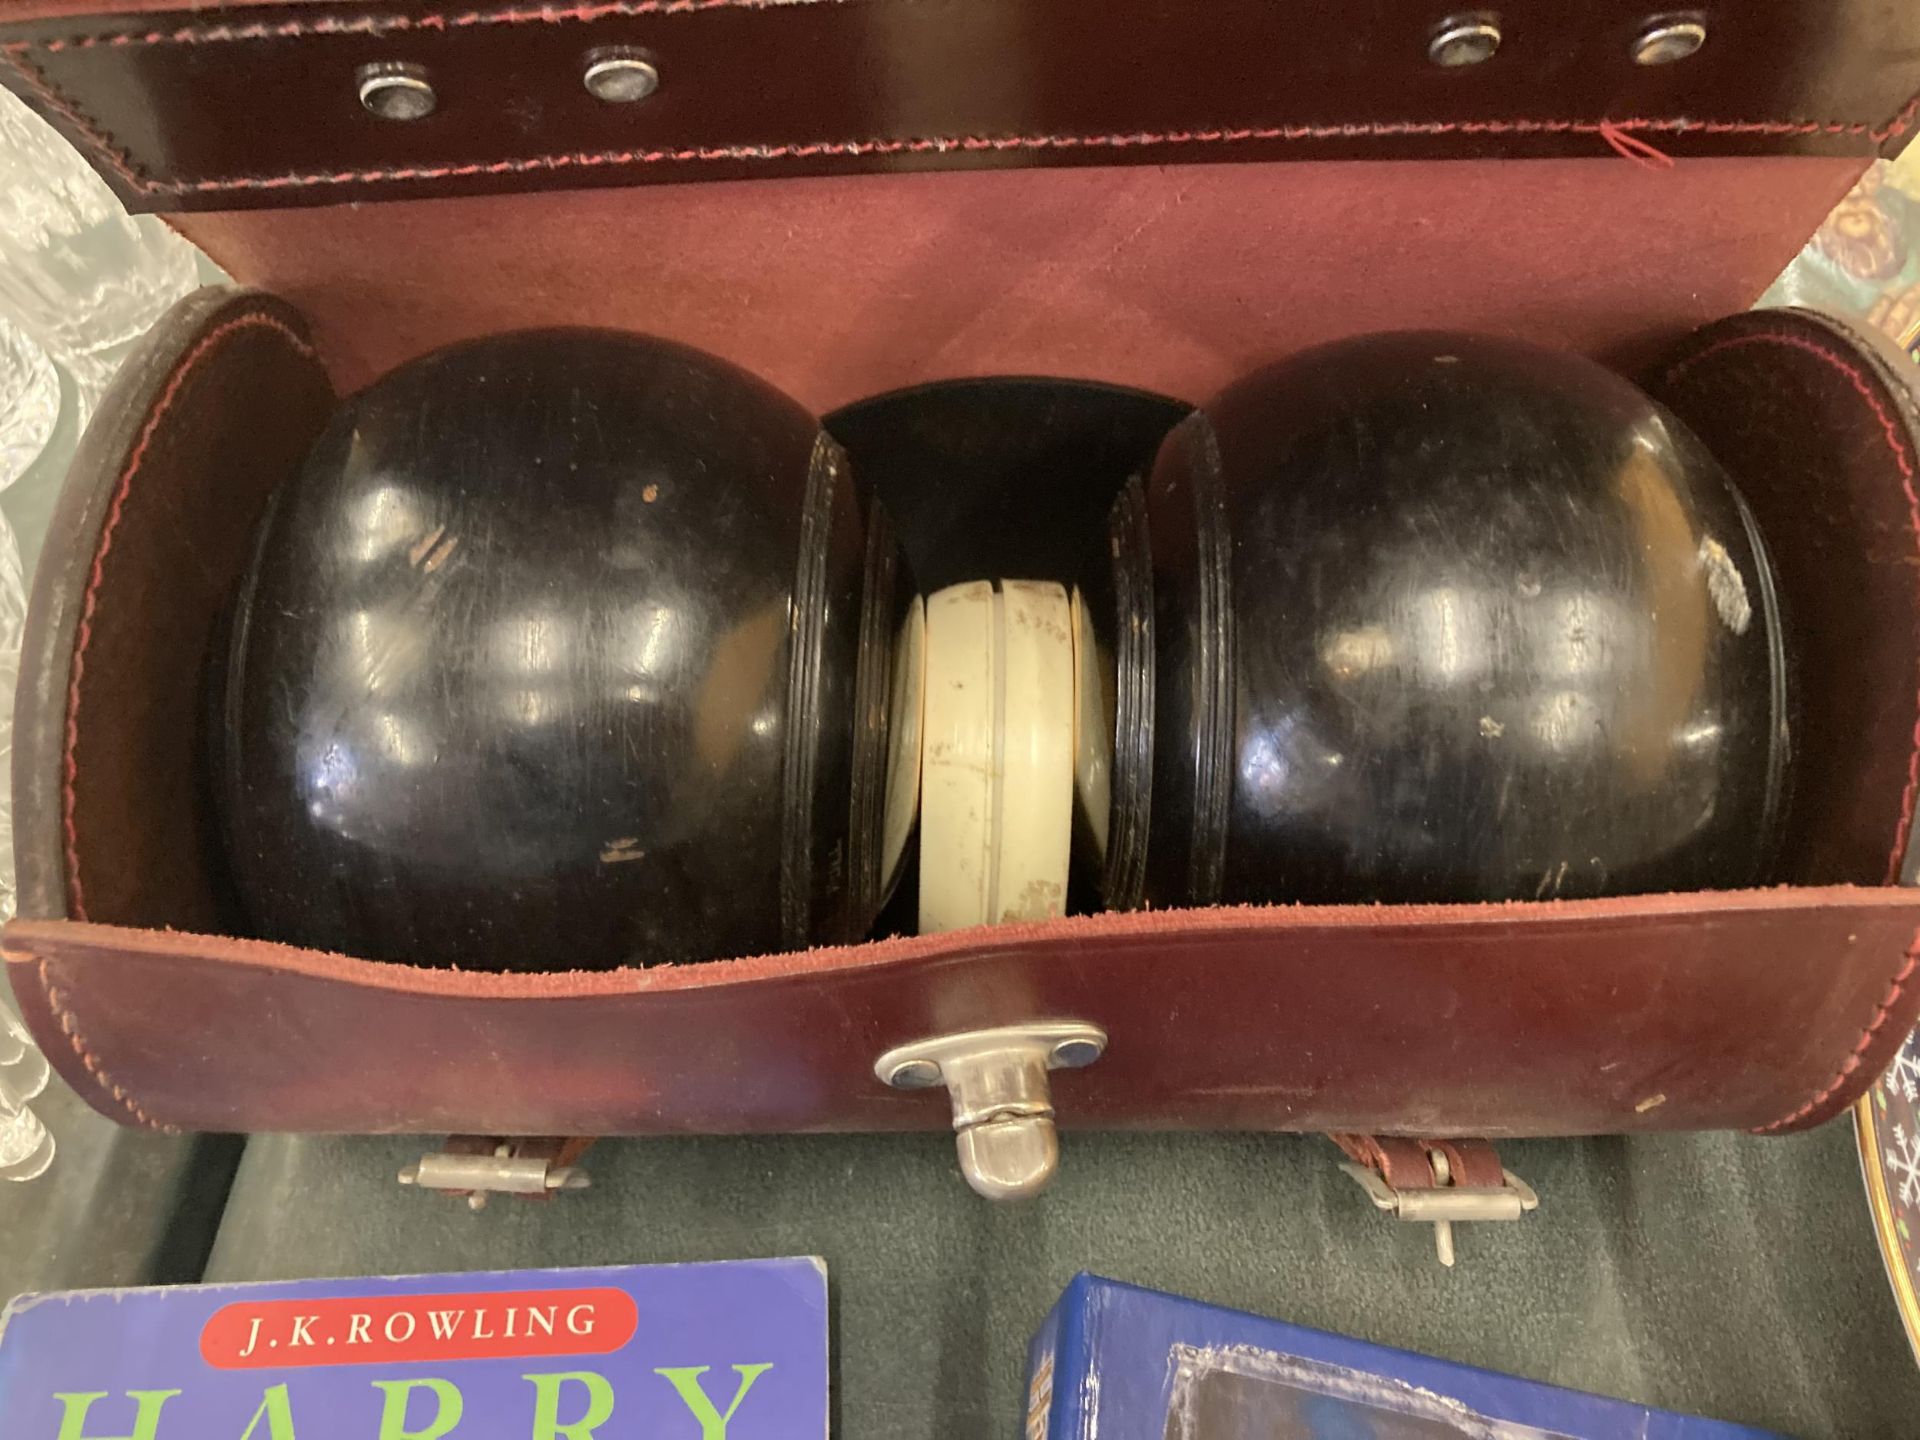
[29, 401]
[78, 273]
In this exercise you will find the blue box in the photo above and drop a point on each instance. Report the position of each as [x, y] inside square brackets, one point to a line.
[734, 1351]
[1117, 1362]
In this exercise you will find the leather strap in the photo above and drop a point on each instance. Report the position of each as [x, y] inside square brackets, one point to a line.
[257, 106]
[1404, 1163]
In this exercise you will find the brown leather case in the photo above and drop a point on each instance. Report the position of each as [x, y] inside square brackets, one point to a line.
[1767, 1009]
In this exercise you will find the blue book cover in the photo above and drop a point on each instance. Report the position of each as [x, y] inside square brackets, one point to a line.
[728, 1351]
[1118, 1362]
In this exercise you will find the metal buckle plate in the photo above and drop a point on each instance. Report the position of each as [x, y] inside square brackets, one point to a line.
[480, 1174]
[1446, 1203]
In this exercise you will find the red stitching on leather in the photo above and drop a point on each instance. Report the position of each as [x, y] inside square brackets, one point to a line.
[76, 898]
[1909, 474]
[1899, 124]
[988, 143]
[57, 1003]
[124, 164]
[1859, 1055]
[392, 24]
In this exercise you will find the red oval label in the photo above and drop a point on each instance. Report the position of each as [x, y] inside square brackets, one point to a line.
[389, 1329]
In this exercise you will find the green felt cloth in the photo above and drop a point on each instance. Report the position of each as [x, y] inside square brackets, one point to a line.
[117, 1206]
[1724, 1274]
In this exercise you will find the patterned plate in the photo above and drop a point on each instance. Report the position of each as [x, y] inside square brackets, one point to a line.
[1864, 263]
[1886, 1123]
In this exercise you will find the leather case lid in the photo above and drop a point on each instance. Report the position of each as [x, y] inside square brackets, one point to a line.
[1137, 264]
[1768, 1009]
[233, 106]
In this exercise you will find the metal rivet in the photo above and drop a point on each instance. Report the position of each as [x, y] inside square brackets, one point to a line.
[914, 1075]
[395, 90]
[1464, 40]
[619, 75]
[1669, 38]
[1075, 1054]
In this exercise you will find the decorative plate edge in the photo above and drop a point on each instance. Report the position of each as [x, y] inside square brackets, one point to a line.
[1866, 1133]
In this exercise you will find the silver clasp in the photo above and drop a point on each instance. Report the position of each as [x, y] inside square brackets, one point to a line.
[1002, 1105]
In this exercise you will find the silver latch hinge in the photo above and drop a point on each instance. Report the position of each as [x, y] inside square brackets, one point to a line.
[480, 1172]
[1444, 1204]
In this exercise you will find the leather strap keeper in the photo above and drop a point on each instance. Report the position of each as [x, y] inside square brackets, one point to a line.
[1405, 1164]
